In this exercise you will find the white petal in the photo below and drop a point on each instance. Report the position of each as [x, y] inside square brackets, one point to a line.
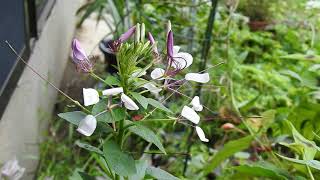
[157, 73]
[196, 105]
[176, 50]
[182, 60]
[128, 102]
[12, 170]
[201, 134]
[112, 91]
[87, 125]
[90, 96]
[152, 88]
[197, 77]
[190, 114]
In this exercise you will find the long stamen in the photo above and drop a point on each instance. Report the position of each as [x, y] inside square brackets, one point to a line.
[43, 78]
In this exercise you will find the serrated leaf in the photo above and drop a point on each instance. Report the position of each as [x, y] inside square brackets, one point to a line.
[73, 117]
[229, 149]
[147, 134]
[88, 147]
[121, 163]
[141, 99]
[160, 174]
[158, 105]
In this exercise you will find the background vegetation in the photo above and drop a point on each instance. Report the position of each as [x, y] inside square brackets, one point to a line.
[264, 65]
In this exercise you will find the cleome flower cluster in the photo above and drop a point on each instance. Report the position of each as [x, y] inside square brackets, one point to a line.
[175, 61]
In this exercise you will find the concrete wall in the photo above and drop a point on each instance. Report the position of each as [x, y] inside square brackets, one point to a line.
[32, 101]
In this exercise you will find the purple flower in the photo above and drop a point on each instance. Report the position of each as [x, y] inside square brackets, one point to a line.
[170, 44]
[125, 36]
[177, 60]
[112, 46]
[79, 57]
[153, 43]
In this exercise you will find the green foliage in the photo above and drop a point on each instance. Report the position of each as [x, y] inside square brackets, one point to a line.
[147, 135]
[73, 117]
[228, 150]
[120, 162]
[262, 169]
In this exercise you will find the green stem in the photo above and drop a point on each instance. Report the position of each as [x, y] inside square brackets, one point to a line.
[96, 77]
[310, 173]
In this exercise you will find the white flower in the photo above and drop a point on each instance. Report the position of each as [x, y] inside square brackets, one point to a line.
[181, 59]
[87, 125]
[197, 77]
[190, 114]
[196, 105]
[313, 4]
[201, 134]
[157, 73]
[90, 96]
[152, 88]
[128, 102]
[112, 91]
[11, 170]
[176, 49]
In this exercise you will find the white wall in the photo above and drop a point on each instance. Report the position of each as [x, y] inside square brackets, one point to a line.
[32, 101]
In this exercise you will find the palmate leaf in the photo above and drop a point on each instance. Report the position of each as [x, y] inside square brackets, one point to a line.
[73, 117]
[147, 134]
[121, 163]
[229, 149]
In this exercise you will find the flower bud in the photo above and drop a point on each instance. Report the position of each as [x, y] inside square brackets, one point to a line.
[227, 126]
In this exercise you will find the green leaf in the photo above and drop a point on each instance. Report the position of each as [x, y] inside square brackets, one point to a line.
[147, 134]
[73, 117]
[103, 127]
[160, 174]
[116, 114]
[141, 99]
[262, 169]
[112, 80]
[158, 105]
[228, 150]
[311, 163]
[267, 119]
[89, 147]
[141, 166]
[292, 74]
[79, 175]
[302, 57]
[121, 163]
[310, 147]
